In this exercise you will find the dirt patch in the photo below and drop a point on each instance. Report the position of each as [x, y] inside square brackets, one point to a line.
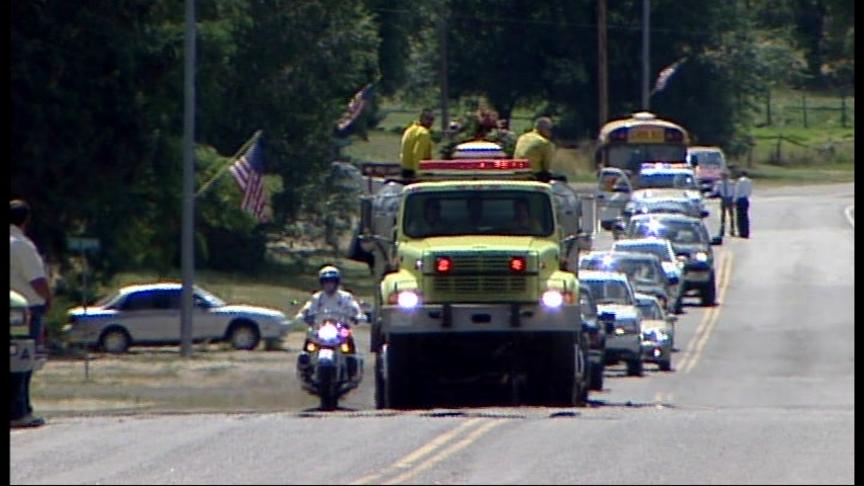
[157, 379]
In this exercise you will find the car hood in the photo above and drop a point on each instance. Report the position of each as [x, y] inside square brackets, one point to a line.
[650, 324]
[237, 309]
[613, 308]
[690, 248]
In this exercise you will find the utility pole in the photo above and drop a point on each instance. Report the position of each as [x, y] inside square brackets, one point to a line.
[188, 254]
[442, 26]
[646, 51]
[602, 83]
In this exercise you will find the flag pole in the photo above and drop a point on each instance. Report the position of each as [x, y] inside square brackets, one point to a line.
[242, 149]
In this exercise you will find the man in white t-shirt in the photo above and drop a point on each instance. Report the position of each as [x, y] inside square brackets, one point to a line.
[743, 189]
[27, 277]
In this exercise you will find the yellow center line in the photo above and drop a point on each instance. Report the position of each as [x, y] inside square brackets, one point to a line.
[422, 451]
[714, 314]
[688, 354]
[471, 438]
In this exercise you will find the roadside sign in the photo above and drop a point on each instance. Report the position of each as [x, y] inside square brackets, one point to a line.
[373, 169]
[82, 243]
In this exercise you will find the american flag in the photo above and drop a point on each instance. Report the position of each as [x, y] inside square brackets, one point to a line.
[663, 77]
[355, 108]
[248, 171]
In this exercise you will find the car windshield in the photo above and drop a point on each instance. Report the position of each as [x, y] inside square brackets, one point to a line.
[650, 310]
[640, 270]
[633, 155]
[660, 250]
[499, 212]
[609, 292]
[707, 159]
[207, 298]
[679, 232]
[666, 180]
[662, 206]
[109, 301]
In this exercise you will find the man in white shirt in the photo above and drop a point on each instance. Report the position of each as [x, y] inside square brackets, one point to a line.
[743, 189]
[725, 190]
[27, 277]
[331, 299]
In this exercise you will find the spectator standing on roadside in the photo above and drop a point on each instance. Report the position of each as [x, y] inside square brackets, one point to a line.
[27, 277]
[743, 189]
[725, 190]
[416, 144]
[537, 146]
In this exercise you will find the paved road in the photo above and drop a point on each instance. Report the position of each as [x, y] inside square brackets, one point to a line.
[762, 392]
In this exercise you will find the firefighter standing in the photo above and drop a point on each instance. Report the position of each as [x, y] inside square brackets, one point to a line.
[537, 147]
[416, 144]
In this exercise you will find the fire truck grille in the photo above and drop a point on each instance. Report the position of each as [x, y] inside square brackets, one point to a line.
[480, 284]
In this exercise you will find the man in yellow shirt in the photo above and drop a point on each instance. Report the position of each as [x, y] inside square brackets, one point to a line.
[416, 144]
[537, 147]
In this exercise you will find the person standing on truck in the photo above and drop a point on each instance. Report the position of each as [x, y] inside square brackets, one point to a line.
[725, 190]
[537, 147]
[416, 144]
[743, 189]
[27, 276]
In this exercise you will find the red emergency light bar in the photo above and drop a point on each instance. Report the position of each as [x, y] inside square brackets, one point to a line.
[477, 164]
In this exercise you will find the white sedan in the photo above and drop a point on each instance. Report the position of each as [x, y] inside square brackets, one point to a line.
[150, 314]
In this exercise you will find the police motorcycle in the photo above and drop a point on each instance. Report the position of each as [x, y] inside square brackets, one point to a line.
[328, 365]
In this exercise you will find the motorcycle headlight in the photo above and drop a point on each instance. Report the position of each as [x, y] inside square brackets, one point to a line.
[701, 256]
[327, 332]
[408, 299]
[552, 299]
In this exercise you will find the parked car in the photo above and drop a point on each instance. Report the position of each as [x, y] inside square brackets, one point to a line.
[613, 193]
[709, 163]
[150, 314]
[614, 295]
[645, 271]
[596, 327]
[662, 249]
[690, 240]
[658, 332]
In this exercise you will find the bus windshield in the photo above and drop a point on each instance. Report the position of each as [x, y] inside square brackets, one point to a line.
[632, 155]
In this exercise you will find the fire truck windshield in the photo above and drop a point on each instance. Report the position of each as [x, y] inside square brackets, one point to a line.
[478, 212]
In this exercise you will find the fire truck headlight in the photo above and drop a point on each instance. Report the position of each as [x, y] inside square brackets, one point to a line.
[552, 299]
[408, 300]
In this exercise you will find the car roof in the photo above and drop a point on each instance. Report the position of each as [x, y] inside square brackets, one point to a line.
[634, 255]
[152, 286]
[601, 275]
[665, 217]
[650, 240]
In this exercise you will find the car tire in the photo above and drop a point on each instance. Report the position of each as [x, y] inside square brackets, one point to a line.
[380, 385]
[244, 336]
[709, 292]
[665, 365]
[273, 344]
[114, 340]
[597, 376]
[635, 367]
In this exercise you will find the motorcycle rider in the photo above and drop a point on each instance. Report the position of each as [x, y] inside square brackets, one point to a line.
[331, 299]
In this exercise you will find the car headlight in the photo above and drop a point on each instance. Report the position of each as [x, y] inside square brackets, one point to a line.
[701, 256]
[552, 299]
[408, 299]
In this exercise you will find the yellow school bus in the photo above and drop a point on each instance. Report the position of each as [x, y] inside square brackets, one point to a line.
[630, 142]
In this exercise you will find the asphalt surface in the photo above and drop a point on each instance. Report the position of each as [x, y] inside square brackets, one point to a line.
[761, 393]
